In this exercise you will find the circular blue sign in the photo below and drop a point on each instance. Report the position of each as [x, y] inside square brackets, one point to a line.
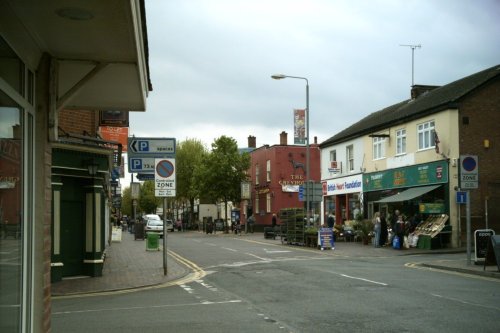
[469, 164]
[164, 168]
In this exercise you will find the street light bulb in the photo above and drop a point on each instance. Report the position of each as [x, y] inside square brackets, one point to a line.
[278, 76]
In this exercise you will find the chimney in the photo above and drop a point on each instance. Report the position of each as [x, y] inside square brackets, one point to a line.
[252, 142]
[283, 138]
[420, 89]
[315, 140]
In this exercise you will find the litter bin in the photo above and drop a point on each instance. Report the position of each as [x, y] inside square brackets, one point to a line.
[152, 243]
[138, 230]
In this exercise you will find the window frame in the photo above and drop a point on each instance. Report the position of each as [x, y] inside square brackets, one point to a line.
[401, 141]
[350, 157]
[425, 135]
[378, 148]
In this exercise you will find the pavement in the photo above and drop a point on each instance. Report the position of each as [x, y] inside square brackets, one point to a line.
[128, 266]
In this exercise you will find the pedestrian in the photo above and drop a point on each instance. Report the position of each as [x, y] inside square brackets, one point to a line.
[330, 221]
[251, 222]
[383, 230]
[377, 226]
[399, 230]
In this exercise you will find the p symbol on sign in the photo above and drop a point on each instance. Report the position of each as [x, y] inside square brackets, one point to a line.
[143, 145]
[136, 164]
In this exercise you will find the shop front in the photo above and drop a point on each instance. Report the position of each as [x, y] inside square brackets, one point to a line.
[418, 192]
[343, 198]
[408, 189]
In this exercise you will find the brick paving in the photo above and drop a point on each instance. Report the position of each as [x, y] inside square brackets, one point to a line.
[128, 265]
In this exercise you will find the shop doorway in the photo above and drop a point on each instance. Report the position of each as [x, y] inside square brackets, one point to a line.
[72, 229]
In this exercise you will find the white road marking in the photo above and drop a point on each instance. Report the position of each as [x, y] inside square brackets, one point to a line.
[366, 280]
[465, 302]
[147, 307]
[229, 249]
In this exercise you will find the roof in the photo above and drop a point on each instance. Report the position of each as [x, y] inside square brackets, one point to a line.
[99, 48]
[436, 100]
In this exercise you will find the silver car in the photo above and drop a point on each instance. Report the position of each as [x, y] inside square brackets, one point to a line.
[153, 223]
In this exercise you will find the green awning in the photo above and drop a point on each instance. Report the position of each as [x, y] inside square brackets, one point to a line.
[409, 194]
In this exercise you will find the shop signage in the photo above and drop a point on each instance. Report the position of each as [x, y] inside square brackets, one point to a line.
[431, 208]
[416, 175]
[352, 184]
[116, 134]
[325, 237]
[481, 239]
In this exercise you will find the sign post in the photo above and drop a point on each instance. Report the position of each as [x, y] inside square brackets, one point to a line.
[469, 179]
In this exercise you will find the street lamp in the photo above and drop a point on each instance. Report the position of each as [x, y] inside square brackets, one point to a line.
[308, 190]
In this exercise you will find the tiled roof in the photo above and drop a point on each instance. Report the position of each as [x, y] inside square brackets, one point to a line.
[433, 101]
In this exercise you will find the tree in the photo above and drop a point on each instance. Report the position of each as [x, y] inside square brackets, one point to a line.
[189, 157]
[126, 202]
[147, 200]
[224, 170]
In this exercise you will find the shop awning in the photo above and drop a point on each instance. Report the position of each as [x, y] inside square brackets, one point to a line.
[409, 194]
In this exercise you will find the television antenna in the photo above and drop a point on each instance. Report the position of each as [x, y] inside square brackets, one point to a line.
[413, 47]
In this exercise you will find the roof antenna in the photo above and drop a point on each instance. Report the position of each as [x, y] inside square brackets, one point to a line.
[413, 47]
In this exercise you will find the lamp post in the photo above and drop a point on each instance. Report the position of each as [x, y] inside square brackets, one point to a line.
[308, 190]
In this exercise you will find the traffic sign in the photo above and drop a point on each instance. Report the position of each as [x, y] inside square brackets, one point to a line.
[461, 197]
[143, 163]
[469, 173]
[148, 146]
[165, 177]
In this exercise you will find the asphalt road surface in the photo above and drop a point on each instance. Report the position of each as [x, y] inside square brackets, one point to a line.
[252, 286]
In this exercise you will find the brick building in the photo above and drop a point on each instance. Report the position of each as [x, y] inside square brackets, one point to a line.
[276, 172]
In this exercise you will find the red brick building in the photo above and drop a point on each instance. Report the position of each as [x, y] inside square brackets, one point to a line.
[276, 172]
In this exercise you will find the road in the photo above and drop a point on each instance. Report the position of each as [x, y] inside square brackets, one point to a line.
[252, 286]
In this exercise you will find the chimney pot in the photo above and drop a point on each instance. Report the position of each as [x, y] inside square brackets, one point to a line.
[252, 141]
[283, 138]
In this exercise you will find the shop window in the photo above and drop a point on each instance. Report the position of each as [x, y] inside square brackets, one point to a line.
[16, 191]
[401, 142]
[426, 135]
[268, 202]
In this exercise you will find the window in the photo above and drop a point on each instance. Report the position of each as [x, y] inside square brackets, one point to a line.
[426, 135]
[256, 206]
[350, 158]
[333, 155]
[17, 165]
[268, 170]
[378, 148]
[400, 142]
[257, 174]
[268, 202]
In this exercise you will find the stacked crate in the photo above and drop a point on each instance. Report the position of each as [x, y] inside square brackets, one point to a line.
[293, 218]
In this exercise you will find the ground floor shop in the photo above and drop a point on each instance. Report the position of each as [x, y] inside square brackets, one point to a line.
[343, 198]
[80, 214]
[420, 193]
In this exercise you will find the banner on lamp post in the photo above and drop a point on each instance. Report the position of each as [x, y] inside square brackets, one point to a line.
[299, 126]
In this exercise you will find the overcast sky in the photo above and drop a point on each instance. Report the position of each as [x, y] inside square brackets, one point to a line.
[211, 61]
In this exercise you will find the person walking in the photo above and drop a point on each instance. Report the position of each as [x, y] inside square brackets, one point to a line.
[330, 221]
[251, 222]
[400, 229]
[376, 229]
[383, 230]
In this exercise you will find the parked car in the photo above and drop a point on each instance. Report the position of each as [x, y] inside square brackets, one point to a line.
[153, 223]
[170, 225]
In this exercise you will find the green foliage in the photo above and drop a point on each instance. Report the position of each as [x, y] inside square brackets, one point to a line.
[147, 200]
[224, 170]
[126, 208]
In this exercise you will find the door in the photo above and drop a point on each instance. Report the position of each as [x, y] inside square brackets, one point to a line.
[72, 228]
